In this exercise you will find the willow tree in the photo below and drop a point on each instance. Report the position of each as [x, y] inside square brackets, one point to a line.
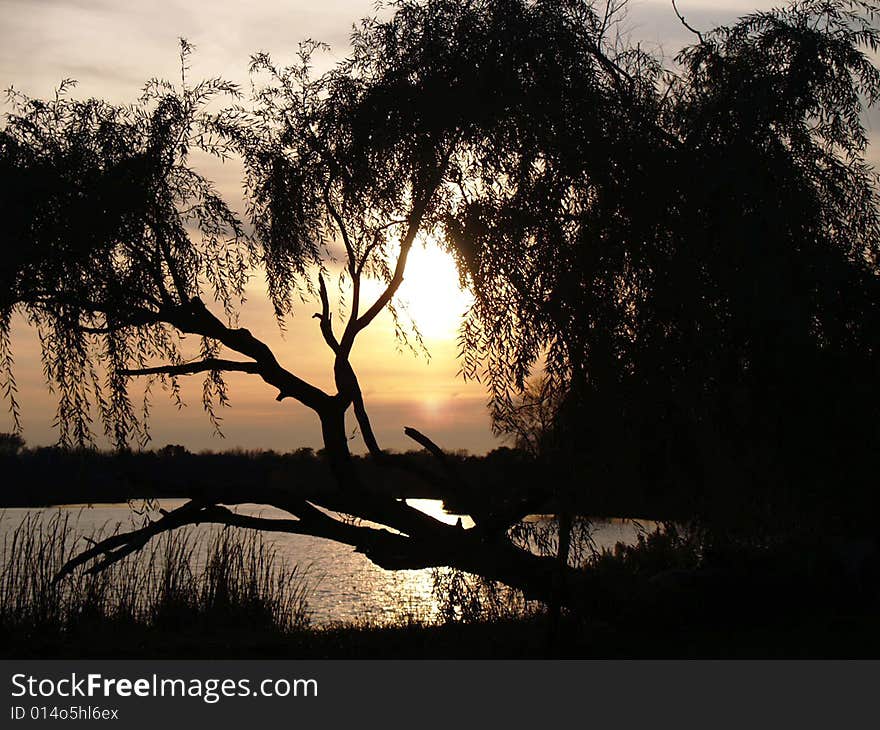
[695, 264]
[118, 248]
[520, 133]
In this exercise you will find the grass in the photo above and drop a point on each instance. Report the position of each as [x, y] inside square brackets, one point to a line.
[228, 595]
[230, 583]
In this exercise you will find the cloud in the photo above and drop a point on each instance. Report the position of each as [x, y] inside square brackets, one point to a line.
[112, 47]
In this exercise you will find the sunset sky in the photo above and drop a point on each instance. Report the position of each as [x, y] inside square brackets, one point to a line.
[112, 47]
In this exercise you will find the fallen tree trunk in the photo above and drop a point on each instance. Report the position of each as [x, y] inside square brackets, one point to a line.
[436, 544]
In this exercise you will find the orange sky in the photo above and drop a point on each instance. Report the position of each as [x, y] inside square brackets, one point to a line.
[401, 388]
[111, 47]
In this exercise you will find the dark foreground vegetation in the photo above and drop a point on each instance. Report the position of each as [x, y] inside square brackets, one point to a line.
[675, 593]
[843, 637]
[689, 589]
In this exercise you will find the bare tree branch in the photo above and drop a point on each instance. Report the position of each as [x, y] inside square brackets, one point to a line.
[415, 218]
[324, 316]
[389, 550]
[449, 466]
[686, 24]
[196, 319]
[199, 366]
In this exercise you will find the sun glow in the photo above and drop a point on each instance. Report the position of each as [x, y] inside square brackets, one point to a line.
[431, 293]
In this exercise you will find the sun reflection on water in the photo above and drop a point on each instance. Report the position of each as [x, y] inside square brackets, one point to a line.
[434, 508]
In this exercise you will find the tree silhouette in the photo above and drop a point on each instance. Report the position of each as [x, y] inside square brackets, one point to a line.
[694, 256]
[600, 206]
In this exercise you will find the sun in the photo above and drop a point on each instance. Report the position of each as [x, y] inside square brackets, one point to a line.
[431, 292]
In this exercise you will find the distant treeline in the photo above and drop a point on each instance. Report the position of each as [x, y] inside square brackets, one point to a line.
[470, 484]
[49, 475]
[502, 482]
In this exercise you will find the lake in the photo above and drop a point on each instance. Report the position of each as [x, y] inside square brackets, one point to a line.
[344, 585]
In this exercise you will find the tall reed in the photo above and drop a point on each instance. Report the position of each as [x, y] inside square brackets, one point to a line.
[224, 580]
